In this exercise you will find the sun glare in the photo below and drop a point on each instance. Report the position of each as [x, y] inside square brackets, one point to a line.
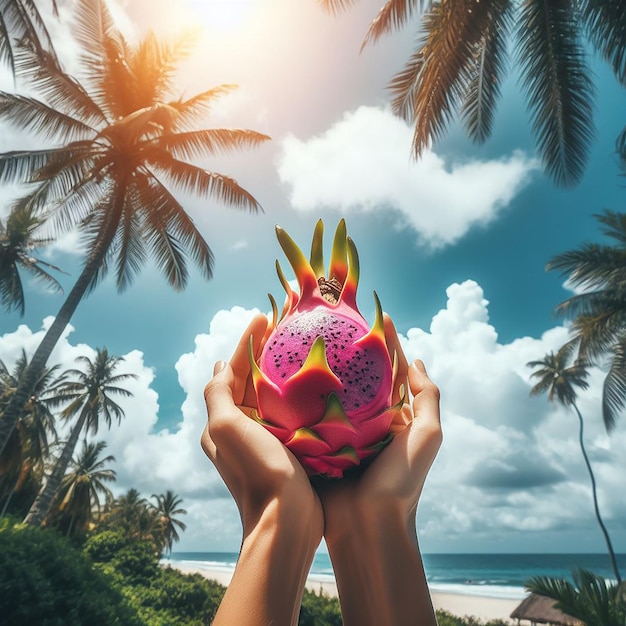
[222, 15]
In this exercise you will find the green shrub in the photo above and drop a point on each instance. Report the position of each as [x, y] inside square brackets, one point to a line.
[45, 580]
[319, 610]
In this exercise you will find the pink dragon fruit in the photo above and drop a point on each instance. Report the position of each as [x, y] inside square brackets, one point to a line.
[324, 381]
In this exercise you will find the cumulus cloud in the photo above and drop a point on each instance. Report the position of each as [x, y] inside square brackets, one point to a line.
[509, 472]
[362, 163]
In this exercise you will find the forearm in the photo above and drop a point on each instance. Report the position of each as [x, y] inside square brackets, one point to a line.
[379, 570]
[271, 571]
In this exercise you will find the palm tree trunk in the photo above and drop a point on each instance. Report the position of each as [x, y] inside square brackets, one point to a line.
[37, 364]
[46, 495]
[609, 545]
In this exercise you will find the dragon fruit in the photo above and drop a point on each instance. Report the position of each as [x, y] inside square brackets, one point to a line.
[324, 380]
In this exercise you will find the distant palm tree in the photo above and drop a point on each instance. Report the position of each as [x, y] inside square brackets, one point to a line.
[18, 241]
[90, 396]
[21, 22]
[590, 599]
[461, 58]
[599, 310]
[123, 141]
[559, 378]
[23, 459]
[167, 507]
[135, 517]
[82, 488]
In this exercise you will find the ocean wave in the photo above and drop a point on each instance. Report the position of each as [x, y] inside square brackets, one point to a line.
[480, 588]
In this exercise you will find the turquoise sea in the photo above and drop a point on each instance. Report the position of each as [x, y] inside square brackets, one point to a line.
[488, 575]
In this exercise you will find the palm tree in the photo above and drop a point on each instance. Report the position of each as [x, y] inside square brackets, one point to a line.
[599, 311]
[23, 459]
[18, 241]
[590, 599]
[82, 488]
[21, 21]
[90, 398]
[133, 515]
[122, 139]
[559, 378]
[461, 58]
[166, 508]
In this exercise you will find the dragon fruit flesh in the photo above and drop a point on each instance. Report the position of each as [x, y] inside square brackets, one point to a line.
[324, 381]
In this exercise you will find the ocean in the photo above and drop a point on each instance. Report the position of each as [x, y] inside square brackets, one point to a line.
[487, 575]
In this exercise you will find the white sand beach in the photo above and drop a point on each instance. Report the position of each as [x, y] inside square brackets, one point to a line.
[457, 604]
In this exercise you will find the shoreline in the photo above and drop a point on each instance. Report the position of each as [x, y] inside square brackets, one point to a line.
[480, 607]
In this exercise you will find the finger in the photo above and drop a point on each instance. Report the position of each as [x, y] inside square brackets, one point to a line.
[424, 390]
[425, 435]
[240, 361]
[393, 346]
[218, 394]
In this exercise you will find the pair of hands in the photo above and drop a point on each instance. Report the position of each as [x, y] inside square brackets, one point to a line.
[257, 467]
[367, 518]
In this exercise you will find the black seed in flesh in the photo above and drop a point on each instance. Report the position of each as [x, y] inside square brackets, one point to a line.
[352, 366]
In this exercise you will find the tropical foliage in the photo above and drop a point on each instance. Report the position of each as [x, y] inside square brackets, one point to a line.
[78, 501]
[89, 395]
[120, 144]
[22, 462]
[598, 310]
[590, 598]
[18, 241]
[559, 378]
[21, 22]
[461, 59]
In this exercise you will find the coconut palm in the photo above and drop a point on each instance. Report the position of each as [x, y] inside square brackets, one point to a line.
[90, 399]
[18, 241]
[590, 599]
[22, 461]
[82, 488]
[135, 517]
[559, 378]
[123, 144]
[598, 272]
[21, 21]
[167, 507]
[461, 59]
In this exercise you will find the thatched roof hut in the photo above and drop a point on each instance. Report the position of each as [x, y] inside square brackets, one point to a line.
[538, 609]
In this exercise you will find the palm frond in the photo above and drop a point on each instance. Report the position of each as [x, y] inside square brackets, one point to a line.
[558, 87]
[336, 6]
[20, 21]
[194, 108]
[393, 15]
[93, 26]
[614, 389]
[33, 115]
[195, 180]
[591, 266]
[154, 62]
[606, 28]
[614, 226]
[486, 70]
[128, 249]
[404, 85]
[58, 89]
[211, 141]
[437, 72]
[170, 214]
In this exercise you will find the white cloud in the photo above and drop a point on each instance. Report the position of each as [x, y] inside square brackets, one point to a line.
[509, 474]
[362, 163]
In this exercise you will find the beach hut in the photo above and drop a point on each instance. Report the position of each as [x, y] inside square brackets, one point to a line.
[538, 609]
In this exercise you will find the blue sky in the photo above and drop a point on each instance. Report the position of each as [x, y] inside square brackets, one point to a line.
[455, 245]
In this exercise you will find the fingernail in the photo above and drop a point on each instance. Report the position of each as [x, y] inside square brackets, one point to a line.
[219, 366]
